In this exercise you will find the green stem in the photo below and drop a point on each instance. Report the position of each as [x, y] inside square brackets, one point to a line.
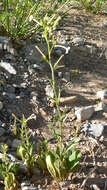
[57, 105]
[7, 11]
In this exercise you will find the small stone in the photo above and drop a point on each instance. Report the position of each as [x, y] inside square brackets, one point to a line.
[78, 41]
[49, 91]
[8, 67]
[84, 113]
[68, 100]
[2, 131]
[67, 76]
[95, 129]
[11, 157]
[28, 188]
[60, 74]
[25, 183]
[104, 26]
[1, 105]
[103, 106]
[102, 94]
[16, 143]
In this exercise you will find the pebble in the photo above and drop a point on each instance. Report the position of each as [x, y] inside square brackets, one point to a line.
[103, 106]
[25, 183]
[78, 41]
[102, 94]
[8, 67]
[1, 105]
[104, 26]
[60, 74]
[49, 91]
[84, 113]
[28, 188]
[95, 129]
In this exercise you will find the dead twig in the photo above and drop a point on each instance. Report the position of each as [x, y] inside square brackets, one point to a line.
[85, 180]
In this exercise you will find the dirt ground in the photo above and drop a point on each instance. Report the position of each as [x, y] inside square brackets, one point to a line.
[87, 65]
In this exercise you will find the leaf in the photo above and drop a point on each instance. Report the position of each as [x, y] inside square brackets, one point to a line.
[58, 151]
[42, 163]
[21, 152]
[50, 159]
[71, 145]
[56, 64]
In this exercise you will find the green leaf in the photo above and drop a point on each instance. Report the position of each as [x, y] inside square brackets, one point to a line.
[50, 159]
[42, 163]
[21, 152]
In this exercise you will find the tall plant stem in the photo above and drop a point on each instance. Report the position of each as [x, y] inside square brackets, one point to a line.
[57, 105]
[54, 90]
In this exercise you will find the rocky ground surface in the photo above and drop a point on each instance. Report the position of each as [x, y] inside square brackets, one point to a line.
[25, 89]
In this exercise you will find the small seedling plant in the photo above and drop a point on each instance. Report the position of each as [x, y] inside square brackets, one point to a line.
[26, 150]
[63, 160]
[8, 169]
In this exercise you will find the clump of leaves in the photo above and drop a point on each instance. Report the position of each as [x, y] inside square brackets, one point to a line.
[61, 164]
[8, 170]
[64, 160]
[26, 149]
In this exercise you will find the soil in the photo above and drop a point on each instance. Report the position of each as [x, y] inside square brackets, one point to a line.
[87, 65]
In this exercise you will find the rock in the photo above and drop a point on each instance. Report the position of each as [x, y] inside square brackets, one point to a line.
[102, 106]
[29, 188]
[1, 105]
[68, 100]
[84, 113]
[104, 26]
[2, 131]
[16, 143]
[67, 76]
[8, 67]
[11, 157]
[102, 94]
[49, 91]
[6, 44]
[78, 41]
[95, 129]
[25, 183]
[60, 74]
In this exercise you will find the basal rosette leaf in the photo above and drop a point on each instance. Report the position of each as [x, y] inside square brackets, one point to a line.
[50, 159]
